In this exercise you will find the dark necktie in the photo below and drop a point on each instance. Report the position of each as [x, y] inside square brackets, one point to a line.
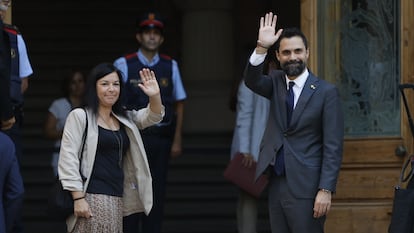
[280, 157]
[290, 98]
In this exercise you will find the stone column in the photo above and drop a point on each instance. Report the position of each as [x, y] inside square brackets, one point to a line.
[207, 64]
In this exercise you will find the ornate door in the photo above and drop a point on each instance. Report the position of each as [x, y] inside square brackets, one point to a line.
[365, 48]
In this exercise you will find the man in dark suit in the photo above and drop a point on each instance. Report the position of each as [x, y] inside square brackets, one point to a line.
[303, 141]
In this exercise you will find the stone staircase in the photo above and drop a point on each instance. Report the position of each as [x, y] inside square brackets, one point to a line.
[199, 200]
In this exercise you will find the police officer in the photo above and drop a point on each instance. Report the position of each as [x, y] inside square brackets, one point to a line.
[6, 114]
[163, 140]
[20, 70]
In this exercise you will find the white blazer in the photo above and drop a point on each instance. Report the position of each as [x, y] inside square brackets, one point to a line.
[137, 195]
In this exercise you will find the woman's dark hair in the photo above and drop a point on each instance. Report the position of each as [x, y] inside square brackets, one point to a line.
[91, 97]
[67, 79]
[289, 33]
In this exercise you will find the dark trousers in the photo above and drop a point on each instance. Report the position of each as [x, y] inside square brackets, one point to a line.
[15, 135]
[11, 186]
[158, 151]
[288, 214]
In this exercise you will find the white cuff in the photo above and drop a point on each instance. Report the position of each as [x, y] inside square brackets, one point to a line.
[257, 59]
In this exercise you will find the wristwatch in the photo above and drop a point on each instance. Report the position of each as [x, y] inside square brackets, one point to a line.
[325, 190]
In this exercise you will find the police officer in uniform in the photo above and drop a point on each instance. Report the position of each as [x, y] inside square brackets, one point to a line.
[20, 70]
[161, 141]
[6, 114]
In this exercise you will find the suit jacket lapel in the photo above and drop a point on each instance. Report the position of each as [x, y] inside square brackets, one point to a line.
[309, 88]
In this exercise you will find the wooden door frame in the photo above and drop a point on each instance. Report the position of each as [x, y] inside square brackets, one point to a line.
[360, 197]
[309, 26]
[407, 59]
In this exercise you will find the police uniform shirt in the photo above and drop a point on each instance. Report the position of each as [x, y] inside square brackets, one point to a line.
[25, 68]
[178, 91]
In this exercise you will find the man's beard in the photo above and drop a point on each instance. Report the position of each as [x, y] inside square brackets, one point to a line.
[293, 68]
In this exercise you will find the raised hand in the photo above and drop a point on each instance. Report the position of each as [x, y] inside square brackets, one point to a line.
[149, 83]
[267, 36]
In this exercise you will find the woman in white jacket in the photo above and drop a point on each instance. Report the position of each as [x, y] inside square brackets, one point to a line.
[113, 179]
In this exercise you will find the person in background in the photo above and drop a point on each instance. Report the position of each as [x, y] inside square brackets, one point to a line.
[11, 183]
[20, 70]
[6, 111]
[113, 177]
[163, 140]
[252, 111]
[303, 142]
[73, 87]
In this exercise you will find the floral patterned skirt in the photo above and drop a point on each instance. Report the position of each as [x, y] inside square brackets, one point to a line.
[107, 215]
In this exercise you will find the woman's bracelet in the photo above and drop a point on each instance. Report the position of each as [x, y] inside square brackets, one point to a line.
[78, 198]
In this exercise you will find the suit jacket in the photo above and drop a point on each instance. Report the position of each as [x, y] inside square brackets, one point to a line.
[313, 142]
[252, 114]
[11, 184]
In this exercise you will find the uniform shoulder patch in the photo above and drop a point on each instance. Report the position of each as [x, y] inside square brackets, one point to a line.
[130, 55]
[165, 56]
[11, 28]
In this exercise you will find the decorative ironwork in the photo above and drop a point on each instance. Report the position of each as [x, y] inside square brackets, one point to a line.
[360, 42]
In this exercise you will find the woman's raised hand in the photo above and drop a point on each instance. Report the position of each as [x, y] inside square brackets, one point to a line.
[149, 83]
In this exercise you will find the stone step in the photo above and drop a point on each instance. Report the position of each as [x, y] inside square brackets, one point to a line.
[198, 198]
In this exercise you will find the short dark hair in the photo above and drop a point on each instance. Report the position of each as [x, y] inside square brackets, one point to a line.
[91, 95]
[289, 33]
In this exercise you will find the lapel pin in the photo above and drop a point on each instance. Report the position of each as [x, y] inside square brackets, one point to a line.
[313, 87]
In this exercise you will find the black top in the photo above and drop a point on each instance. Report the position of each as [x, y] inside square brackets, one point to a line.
[107, 174]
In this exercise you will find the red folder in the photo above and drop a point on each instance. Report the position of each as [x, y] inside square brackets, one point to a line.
[243, 177]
